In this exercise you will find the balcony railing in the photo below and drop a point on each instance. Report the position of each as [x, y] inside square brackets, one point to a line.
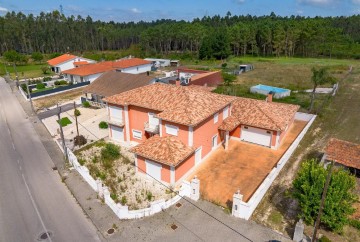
[154, 129]
[115, 121]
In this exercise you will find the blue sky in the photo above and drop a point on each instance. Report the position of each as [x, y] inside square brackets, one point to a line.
[147, 10]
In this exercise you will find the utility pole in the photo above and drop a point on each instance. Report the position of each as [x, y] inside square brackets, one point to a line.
[62, 133]
[323, 198]
[29, 94]
[77, 126]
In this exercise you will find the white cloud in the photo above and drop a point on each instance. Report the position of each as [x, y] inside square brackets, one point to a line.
[240, 1]
[318, 2]
[3, 9]
[356, 1]
[135, 10]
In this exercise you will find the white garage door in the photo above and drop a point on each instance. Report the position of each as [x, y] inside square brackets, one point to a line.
[153, 169]
[117, 133]
[256, 136]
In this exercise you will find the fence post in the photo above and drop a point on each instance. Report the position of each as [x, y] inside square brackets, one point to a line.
[237, 199]
[195, 189]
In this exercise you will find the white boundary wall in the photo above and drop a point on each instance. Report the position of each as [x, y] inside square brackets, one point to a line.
[245, 209]
[123, 211]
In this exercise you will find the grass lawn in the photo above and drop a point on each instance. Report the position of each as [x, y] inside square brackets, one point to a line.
[41, 90]
[64, 121]
[24, 71]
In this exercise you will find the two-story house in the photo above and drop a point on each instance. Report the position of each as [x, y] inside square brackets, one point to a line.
[173, 128]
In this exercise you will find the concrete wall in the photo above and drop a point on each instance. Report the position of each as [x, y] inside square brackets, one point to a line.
[245, 209]
[137, 69]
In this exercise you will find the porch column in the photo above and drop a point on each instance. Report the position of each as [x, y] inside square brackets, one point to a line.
[226, 140]
[172, 174]
[127, 128]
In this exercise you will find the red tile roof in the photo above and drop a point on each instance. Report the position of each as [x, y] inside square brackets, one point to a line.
[343, 152]
[60, 59]
[167, 150]
[261, 114]
[90, 69]
[178, 104]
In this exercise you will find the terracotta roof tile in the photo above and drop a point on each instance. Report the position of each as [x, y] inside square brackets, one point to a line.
[167, 150]
[90, 69]
[343, 152]
[261, 114]
[178, 104]
[115, 82]
[60, 59]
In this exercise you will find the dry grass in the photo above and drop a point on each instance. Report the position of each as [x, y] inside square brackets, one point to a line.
[340, 119]
[50, 101]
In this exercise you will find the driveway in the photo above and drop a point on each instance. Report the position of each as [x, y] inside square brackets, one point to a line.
[243, 166]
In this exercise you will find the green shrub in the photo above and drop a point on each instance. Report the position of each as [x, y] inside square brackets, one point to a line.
[224, 65]
[57, 83]
[63, 82]
[45, 69]
[103, 125]
[149, 196]
[114, 197]
[110, 152]
[101, 175]
[77, 112]
[123, 200]
[95, 159]
[86, 104]
[64, 121]
[40, 86]
[46, 79]
[82, 161]
[355, 223]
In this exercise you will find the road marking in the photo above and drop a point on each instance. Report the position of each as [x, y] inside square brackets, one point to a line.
[35, 207]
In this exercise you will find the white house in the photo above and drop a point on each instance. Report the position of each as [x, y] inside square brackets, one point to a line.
[90, 72]
[159, 62]
[66, 62]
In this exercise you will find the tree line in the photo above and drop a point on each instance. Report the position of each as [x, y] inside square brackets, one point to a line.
[207, 37]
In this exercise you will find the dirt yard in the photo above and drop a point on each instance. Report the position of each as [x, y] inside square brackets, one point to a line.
[50, 101]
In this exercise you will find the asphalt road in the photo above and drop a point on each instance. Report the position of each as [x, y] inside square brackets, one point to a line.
[33, 200]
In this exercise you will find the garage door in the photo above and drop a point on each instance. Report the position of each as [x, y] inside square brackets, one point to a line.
[153, 170]
[256, 136]
[117, 133]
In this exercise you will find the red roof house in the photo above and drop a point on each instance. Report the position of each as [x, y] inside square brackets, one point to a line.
[65, 62]
[344, 153]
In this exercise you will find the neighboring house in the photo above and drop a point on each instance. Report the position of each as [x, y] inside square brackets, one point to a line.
[114, 82]
[159, 62]
[199, 77]
[89, 72]
[66, 62]
[344, 153]
[175, 127]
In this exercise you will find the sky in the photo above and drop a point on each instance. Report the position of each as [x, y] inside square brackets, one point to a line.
[148, 10]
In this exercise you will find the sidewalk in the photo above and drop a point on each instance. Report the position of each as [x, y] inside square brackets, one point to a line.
[195, 221]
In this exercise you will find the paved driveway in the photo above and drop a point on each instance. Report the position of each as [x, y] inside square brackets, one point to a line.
[244, 166]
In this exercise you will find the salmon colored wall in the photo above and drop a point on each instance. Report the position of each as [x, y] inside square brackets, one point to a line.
[165, 173]
[236, 132]
[141, 164]
[137, 118]
[184, 167]
[273, 138]
[204, 132]
[183, 133]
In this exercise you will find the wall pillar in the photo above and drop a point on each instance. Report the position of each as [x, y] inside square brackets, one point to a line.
[172, 174]
[100, 188]
[227, 140]
[237, 199]
[195, 189]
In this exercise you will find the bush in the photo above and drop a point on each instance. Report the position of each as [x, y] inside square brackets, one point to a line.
[86, 104]
[46, 79]
[77, 112]
[40, 86]
[123, 200]
[81, 161]
[103, 125]
[44, 69]
[57, 83]
[110, 152]
[149, 196]
[80, 140]
[114, 197]
[355, 223]
[324, 239]
[224, 65]
[64, 121]
[62, 82]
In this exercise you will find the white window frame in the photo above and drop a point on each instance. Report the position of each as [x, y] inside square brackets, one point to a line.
[216, 118]
[212, 143]
[134, 136]
[226, 112]
[169, 128]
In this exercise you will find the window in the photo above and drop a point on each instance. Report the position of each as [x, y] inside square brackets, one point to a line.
[216, 118]
[137, 134]
[235, 207]
[226, 112]
[171, 129]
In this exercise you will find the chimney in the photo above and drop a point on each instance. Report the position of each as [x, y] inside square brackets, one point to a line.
[269, 97]
[177, 82]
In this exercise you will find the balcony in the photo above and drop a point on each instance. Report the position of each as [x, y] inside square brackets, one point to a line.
[154, 129]
[115, 121]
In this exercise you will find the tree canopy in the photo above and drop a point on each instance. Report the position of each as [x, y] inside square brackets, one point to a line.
[209, 37]
[308, 188]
